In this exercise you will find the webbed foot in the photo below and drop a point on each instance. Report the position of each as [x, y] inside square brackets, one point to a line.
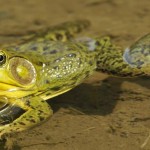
[38, 111]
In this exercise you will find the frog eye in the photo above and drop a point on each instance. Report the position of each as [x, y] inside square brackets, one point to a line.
[22, 70]
[2, 58]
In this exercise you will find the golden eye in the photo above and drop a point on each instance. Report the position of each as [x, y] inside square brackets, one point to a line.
[2, 58]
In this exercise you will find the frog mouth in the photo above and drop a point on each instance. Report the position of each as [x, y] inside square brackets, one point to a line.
[13, 91]
[8, 87]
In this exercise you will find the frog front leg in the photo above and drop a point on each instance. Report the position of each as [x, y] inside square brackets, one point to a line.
[36, 111]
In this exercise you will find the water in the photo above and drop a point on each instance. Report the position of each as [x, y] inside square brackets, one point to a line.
[105, 112]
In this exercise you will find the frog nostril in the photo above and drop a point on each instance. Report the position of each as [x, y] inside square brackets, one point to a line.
[22, 70]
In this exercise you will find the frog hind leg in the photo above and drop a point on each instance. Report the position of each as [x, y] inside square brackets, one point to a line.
[37, 111]
[111, 60]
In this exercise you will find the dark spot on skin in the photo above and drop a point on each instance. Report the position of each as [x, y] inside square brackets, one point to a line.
[41, 111]
[56, 67]
[47, 94]
[27, 119]
[45, 48]
[39, 63]
[47, 81]
[34, 48]
[28, 103]
[104, 60]
[39, 114]
[79, 46]
[47, 63]
[75, 78]
[57, 88]
[32, 107]
[32, 120]
[105, 39]
[59, 36]
[90, 63]
[110, 45]
[21, 123]
[97, 43]
[53, 51]
[68, 35]
[51, 39]
[42, 118]
[87, 72]
[113, 63]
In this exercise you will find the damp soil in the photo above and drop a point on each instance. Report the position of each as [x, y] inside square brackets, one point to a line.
[105, 112]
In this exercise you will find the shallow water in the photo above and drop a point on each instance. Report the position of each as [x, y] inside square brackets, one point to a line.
[104, 112]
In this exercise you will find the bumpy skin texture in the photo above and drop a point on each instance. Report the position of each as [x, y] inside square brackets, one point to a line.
[138, 55]
[134, 61]
[50, 63]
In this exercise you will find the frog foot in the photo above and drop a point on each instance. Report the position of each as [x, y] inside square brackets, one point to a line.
[38, 111]
[4, 131]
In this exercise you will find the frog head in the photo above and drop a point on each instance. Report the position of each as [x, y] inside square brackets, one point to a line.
[17, 75]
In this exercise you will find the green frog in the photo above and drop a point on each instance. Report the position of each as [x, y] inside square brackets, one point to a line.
[52, 62]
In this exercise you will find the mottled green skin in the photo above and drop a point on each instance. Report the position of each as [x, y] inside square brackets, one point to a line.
[138, 55]
[61, 65]
[113, 60]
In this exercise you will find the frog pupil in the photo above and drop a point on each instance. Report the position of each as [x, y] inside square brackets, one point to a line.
[1, 58]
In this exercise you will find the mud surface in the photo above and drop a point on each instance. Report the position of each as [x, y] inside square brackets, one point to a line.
[104, 113]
